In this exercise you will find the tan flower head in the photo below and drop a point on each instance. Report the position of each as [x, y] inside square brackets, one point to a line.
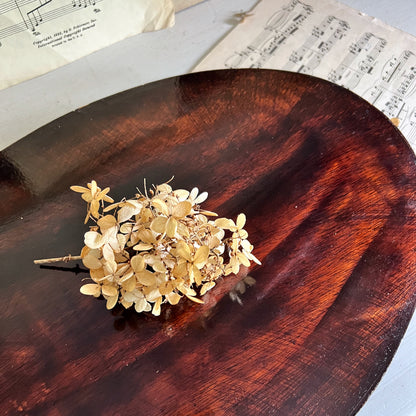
[158, 247]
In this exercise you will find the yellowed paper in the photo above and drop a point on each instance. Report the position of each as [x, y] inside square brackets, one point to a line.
[329, 40]
[183, 4]
[37, 36]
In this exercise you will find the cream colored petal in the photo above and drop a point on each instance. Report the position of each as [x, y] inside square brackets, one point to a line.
[243, 234]
[182, 209]
[228, 270]
[126, 228]
[165, 288]
[87, 197]
[208, 213]
[122, 241]
[130, 297]
[235, 243]
[196, 274]
[243, 259]
[85, 250]
[142, 247]
[107, 222]
[93, 186]
[201, 198]
[97, 274]
[160, 206]
[156, 306]
[158, 266]
[137, 263]
[141, 305]
[91, 289]
[108, 252]
[94, 208]
[91, 262]
[126, 276]
[194, 299]
[181, 194]
[186, 290]
[201, 257]
[146, 236]
[126, 304]
[158, 225]
[205, 287]
[194, 193]
[126, 212]
[164, 187]
[146, 215]
[145, 278]
[173, 298]
[151, 293]
[241, 220]
[79, 189]
[224, 223]
[108, 290]
[111, 207]
[122, 268]
[92, 239]
[171, 226]
[110, 267]
[245, 244]
[183, 250]
[183, 230]
[111, 302]
[103, 193]
[130, 284]
[180, 270]
[107, 198]
[252, 257]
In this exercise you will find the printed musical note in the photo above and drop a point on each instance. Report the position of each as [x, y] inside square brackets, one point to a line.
[34, 13]
[322, 39]
[360, 60]
[281, 26]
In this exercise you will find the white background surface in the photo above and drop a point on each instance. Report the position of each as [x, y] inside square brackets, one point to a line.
[152, 56]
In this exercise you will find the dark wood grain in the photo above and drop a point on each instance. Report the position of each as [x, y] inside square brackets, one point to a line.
[328, 186]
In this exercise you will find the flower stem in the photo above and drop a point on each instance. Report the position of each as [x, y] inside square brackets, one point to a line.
[65, 259]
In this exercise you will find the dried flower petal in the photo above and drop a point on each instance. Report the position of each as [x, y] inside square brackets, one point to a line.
[109, 290]
[182, 209]
[137, 263]
[91, 289]
[92, 239]
[91, 262]
[112, 301]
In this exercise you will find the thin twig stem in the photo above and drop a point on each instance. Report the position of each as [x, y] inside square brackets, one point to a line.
[65, 259]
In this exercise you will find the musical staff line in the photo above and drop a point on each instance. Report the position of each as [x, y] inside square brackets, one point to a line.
[11, 5]
[34, 15]
[322, 39]
[278, 29]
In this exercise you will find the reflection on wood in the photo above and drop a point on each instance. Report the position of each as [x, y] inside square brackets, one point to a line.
[327, 184]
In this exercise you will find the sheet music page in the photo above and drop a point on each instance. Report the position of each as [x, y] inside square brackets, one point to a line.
[37, 36]
[184, 4]
[329, 40]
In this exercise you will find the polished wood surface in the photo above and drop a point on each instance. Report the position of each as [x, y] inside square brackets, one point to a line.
[328, 186]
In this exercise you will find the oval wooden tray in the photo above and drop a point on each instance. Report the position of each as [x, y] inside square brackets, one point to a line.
[327, 184]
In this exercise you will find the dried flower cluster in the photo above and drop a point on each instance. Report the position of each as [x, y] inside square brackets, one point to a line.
[158, 246]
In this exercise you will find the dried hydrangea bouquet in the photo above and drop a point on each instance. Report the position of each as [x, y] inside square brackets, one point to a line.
[157, 247]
